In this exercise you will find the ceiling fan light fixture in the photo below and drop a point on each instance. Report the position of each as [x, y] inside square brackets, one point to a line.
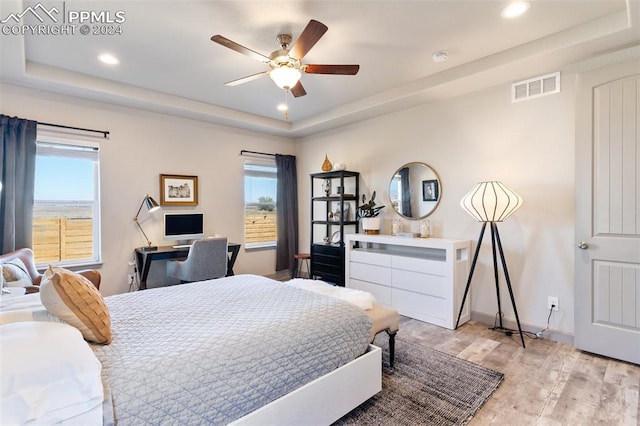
[285, 77]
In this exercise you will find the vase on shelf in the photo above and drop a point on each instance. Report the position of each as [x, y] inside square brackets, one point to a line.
[371, 225]
[396, 226]
[326, 186]
[425, 228]
[326, 164]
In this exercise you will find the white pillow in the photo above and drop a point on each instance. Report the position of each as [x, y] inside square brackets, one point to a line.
[49, 374]
[18, 283]
[15, 270]
[360, 298]
[25, 307]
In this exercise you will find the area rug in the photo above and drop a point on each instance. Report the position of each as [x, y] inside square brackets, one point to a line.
[426, 387]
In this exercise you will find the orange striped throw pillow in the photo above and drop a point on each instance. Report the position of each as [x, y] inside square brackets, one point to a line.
[72, 298]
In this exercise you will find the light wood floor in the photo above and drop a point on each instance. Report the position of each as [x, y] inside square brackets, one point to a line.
[548, 383]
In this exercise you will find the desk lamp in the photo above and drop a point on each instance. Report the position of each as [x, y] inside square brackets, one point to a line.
[152, 206]
[492, 202]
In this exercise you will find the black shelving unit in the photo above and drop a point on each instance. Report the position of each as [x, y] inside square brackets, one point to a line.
[327, 229]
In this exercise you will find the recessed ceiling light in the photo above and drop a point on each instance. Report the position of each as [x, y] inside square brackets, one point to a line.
[283, 107]
[109, 59]
[515, 9]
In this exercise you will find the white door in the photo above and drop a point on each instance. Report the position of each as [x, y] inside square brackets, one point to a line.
[607, 258]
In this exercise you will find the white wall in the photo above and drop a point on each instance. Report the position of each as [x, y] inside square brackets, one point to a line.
[483, 136]
[529, 146]
[141, 146]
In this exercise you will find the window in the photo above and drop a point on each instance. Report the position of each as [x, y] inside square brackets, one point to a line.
[66, 211]
[260, 178]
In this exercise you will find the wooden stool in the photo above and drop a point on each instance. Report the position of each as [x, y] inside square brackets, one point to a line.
[300, 257]
[385, 319]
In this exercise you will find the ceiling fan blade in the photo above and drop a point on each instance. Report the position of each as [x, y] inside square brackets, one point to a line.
[239, 48]
[309, 37]
[298, 90]
[246, 79]
[331, 69]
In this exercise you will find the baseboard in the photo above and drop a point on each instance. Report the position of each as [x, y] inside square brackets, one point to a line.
[555, 335]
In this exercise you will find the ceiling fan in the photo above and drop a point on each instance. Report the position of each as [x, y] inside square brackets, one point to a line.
[285, 64]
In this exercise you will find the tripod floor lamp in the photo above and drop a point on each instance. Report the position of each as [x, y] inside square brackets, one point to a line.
[152, 206]
[492, 202]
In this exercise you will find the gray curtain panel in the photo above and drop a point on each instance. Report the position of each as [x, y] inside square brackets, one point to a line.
[17, 173]
[287, 207]
[406, 192]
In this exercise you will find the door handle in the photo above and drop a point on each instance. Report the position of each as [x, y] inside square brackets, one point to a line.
[582, 245]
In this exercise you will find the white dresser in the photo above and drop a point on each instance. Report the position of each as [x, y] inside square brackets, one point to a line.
[423, 278]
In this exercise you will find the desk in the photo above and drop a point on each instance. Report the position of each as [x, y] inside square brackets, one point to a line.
[144, 259]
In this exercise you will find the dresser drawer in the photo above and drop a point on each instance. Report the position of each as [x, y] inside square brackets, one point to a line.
[426, 266]
[371, 273]
[419, 306]
[431, 285]
[380, 292]
[362, 256]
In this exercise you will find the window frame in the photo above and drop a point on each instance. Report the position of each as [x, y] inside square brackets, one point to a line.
[268, 245]
[45, 144]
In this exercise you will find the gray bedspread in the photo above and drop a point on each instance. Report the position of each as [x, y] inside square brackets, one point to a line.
[211, 352]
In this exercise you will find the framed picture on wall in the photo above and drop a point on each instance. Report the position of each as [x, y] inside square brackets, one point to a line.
[178, 190]
[337, 214]
[430, 190]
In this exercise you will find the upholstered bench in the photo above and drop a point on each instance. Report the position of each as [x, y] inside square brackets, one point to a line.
[385, 319]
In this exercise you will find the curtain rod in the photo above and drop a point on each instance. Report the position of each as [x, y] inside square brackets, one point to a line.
[105, 133]
[256, 153]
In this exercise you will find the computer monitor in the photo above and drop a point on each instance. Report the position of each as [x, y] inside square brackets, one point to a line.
[183, 226]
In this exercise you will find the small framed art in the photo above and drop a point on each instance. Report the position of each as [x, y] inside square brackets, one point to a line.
[430, 190]
[178, 190]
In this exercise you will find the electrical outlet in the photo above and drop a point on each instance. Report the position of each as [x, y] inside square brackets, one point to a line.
[552, 301]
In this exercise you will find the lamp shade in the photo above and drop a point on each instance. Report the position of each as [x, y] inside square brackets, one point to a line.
[491, 202]
[151, 204]
[285, 77]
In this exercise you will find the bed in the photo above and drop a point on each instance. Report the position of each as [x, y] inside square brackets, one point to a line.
[242, 350]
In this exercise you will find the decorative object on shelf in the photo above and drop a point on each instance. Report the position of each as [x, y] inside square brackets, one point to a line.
[339, 166]
[368, 211]
[492, 202]
[425, 228]
[326, 164]
[326, 186]
[396, 226]
[178, 190]
[336, 237]
[344, 214]
[430, 190]
[152, 206]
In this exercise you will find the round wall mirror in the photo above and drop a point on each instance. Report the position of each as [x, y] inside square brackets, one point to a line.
[415, 190]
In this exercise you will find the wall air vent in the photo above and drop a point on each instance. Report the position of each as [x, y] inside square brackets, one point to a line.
[535, 87]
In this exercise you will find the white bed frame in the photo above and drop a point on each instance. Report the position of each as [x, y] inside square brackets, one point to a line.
[326, 399]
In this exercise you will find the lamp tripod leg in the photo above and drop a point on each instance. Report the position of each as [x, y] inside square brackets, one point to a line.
[506, 276]
[473, 267]
[494, 229]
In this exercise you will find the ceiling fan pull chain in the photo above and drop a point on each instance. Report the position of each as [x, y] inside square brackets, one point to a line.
[286, 105]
